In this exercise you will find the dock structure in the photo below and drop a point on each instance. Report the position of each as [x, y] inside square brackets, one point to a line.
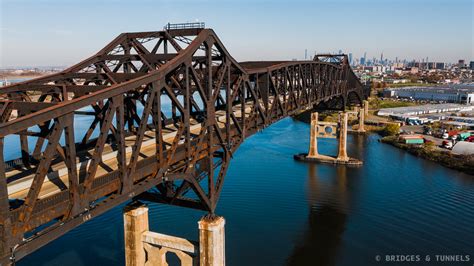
[320, 129]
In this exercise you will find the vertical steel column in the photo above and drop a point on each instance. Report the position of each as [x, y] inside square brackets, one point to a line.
[5, 217]
[210, 125]
[70, 160]
[157, 118]
[187, 111]
[228, 101]
[120, 140]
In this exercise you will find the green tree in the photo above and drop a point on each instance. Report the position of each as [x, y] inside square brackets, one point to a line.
[391, 129]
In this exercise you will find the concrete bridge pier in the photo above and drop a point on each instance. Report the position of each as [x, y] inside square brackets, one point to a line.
[365, 105]
[143, 247]
[361, 114]
[313, 142]
[135, 222]
[212, 241]
[361, 120]
[326, 129]
[342, 151]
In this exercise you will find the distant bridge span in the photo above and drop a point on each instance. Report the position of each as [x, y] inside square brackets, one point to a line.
[163, 113]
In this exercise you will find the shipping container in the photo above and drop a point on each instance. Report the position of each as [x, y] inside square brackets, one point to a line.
[464, 135]
[414, 141]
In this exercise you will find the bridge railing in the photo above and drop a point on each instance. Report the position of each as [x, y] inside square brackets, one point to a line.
[181, 26]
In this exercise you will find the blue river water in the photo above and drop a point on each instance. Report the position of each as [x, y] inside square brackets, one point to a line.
[282, 212]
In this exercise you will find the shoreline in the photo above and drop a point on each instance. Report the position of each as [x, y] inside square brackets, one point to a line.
[462, 163]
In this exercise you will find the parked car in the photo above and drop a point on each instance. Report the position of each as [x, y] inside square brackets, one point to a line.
[447, 144]
[427, 130]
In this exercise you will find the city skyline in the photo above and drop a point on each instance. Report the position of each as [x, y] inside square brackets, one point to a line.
[62, 35]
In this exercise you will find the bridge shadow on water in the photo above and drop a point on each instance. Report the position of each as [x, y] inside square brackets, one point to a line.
[326, 220]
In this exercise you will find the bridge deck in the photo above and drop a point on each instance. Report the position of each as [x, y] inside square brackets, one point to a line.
[58, 177]
[215, 103]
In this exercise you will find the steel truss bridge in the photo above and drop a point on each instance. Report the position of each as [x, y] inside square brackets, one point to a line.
[154, 116]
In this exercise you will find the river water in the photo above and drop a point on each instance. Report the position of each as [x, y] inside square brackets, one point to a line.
[282, 212]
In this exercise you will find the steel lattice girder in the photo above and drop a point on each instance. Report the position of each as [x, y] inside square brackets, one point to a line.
[175, 152]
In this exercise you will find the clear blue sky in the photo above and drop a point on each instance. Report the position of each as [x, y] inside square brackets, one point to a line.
[53, 32]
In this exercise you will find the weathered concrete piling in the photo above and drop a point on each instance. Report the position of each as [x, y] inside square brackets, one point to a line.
[143, 247]
[328, 130]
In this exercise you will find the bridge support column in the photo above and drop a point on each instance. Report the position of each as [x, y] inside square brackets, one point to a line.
[212, 241]
[313, 141]
[135, 221]
[361, 120]
[342, 154]
[365, 105]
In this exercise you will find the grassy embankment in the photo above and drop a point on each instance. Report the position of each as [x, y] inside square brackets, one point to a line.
[376, 103]
[411, 84]
[463, 163]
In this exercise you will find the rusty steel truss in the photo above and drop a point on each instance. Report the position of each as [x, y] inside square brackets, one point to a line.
[164, 112]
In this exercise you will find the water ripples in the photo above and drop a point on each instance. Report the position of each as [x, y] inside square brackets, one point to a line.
[395, 203]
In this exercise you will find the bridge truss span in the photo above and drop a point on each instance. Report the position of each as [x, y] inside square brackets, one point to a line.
[154, 116]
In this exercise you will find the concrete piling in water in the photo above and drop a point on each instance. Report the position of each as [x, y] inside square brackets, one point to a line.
[212, 241]
[135, 219]
[324, 130]
[143, 247]
[342, 151]
[313, 142]
[365, 105]
[361, 119]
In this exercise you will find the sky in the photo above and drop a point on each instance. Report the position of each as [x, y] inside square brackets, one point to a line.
[63, 32]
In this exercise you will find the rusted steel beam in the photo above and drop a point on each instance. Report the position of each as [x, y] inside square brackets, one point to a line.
[141, 131]
[27, 107]
[70, 160]
[206, 126]
[41, 171]
[99, 148]
[6, 239]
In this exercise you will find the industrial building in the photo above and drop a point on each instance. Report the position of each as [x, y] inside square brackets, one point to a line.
[425, 109]
[463, 93]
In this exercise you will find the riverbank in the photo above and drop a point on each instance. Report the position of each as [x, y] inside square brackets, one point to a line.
[309, 212]
[463, 163]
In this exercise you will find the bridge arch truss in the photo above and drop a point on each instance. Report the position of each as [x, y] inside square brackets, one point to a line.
[154, 116]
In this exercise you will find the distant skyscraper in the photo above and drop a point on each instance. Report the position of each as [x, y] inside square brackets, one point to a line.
[461, 63]
[440, 65]
[471, 65]
[350, 58]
